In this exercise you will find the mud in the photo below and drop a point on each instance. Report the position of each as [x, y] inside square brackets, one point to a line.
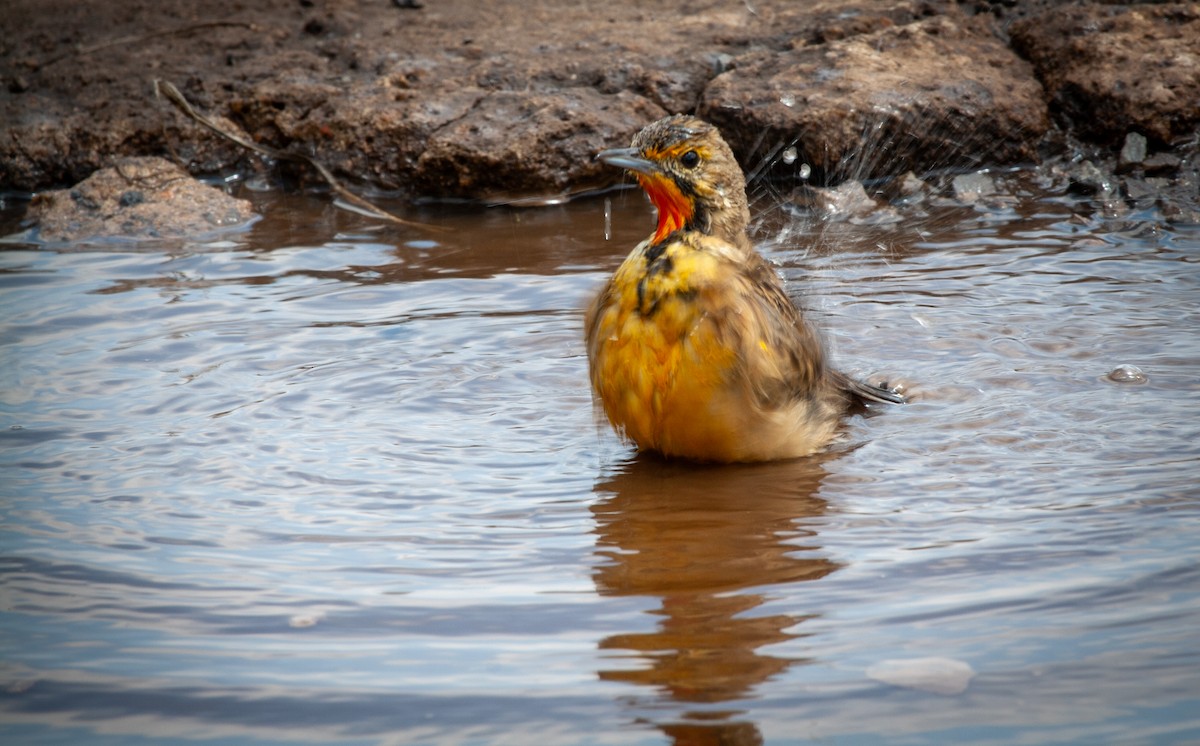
[1111, 70]
[488, 101]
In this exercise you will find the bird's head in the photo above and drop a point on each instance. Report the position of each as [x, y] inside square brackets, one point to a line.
[690, 175]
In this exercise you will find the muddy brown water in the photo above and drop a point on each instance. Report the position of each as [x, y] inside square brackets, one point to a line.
[329, 482]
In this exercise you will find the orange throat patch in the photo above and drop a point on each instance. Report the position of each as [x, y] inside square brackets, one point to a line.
[674, 209]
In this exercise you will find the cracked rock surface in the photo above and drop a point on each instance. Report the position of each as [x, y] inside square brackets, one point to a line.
[137, 198]
[492, 100]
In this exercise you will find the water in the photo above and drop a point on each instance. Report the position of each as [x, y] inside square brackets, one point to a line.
[326, 482]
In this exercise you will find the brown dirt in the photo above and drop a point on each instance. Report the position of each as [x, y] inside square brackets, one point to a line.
[1111, 70]
[494, 100]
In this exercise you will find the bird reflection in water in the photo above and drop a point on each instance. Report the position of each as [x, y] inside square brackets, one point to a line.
[712, 543]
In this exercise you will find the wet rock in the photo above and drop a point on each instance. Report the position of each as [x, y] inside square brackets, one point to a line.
[1087, 178]
[846, 202]
[1180, 212]
[412, 100]
[1166, 180]
[971, 188]
[1133, 152]
[1161, 164]
[840, 202]
[848, 198]
[136, 198]
[909, 189]
[936, 93]
[1144, 193]
[1110, 69]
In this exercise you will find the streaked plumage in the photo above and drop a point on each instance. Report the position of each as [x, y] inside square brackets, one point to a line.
[694, 349]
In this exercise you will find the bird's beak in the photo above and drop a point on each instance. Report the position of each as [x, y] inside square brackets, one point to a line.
[627, 158]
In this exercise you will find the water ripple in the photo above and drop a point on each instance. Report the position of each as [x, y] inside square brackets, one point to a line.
[354, 490]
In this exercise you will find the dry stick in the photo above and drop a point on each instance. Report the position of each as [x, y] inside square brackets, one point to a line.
[172, 94]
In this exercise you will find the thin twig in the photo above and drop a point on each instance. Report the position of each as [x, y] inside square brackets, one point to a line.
[172, 94]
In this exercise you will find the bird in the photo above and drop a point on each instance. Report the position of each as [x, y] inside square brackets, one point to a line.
[695, 350]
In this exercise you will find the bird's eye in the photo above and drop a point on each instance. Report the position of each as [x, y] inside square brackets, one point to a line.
[690, 159]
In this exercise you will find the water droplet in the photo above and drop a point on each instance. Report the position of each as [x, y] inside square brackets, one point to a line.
[787, 101]
[1127, 374]
[607, 219]
[789, 155]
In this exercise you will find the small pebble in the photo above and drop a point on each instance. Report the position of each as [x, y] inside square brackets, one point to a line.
[720, 63]
[844, 200]
[1139, 190]
[1162, 164]
[1133, 152]
[130, 198]
[1087, 178]
[1127, 374]
[910, 185]
[970, 188]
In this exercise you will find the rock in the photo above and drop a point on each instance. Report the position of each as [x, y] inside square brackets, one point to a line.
[414, 100]
[1110, 69]
[1133, 152]
[909, 189]
[1180, 212]
[1087, 178]
[842, 202]
[366, 88]
[936, 93]
[1162, 164]
[136, 198]
[846, 202]
[971, 188]
[1144, 192]
[482, 155]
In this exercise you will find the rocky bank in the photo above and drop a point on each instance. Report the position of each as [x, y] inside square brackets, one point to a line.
[494, 100]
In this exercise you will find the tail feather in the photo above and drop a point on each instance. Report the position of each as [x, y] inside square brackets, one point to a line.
[866, 392]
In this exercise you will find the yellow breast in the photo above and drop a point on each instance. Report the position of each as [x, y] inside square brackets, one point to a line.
[662, 362]
[695, 351]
